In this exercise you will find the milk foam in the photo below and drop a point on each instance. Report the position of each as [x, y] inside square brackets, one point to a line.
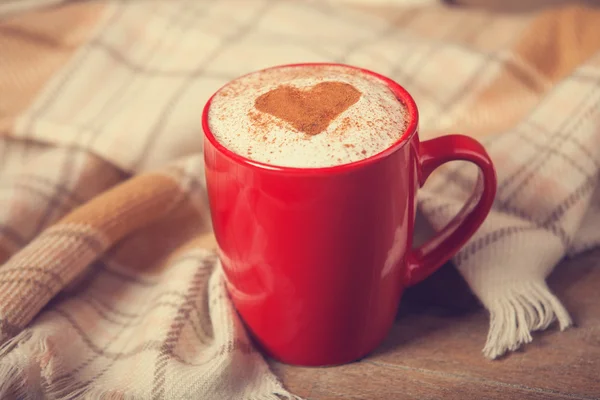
[369, 126]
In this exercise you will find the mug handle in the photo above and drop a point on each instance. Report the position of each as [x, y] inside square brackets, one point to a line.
[430, 256]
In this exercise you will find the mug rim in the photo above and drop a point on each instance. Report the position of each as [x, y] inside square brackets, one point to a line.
[398, 90]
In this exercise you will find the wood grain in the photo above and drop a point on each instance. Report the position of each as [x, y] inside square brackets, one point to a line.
[434, 349]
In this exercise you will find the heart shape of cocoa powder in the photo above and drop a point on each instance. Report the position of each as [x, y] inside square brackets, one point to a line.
[308, 110]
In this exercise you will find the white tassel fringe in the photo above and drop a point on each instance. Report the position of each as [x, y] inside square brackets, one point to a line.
[525, 308]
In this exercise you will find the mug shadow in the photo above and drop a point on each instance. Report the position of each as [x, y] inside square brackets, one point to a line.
[429, 307]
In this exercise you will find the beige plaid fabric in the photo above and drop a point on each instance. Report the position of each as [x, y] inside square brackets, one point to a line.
[108, 284]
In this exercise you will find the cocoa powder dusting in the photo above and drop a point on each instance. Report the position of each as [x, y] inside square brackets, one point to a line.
[256, 118]
[260, 122]
[309, 111]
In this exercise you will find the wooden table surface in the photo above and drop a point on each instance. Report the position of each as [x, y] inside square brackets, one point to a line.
[434, 349]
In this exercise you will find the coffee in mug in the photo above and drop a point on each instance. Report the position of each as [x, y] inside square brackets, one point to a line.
[317, 116]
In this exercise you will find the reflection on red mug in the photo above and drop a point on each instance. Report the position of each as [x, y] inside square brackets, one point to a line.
[316, 259]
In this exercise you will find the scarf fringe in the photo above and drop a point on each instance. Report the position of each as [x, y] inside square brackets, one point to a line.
[524, 308]
[22, 376]
[12, 382]
[15, 367]
[99, 394]
[22, 370]
[103, 394]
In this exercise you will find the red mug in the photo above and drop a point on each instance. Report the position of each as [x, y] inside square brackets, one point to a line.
[316, 259]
